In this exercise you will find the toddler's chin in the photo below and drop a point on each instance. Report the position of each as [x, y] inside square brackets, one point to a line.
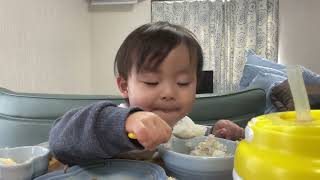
[170, 120]
[173, 121]
[170, 117]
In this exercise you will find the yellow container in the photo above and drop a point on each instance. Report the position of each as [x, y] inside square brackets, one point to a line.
[276, 147]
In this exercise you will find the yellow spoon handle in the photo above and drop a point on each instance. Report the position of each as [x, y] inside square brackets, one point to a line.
[132, 136]
[134, 140]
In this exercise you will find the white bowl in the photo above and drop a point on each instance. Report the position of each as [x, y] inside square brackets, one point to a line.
[181, 165]
[32, 161]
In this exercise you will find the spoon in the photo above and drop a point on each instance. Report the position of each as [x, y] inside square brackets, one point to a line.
[132, 136]
[134, 139]
[190, 136]
[184, 129]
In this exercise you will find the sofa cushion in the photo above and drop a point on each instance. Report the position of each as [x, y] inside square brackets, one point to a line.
[250, 71]
[310, 77]
[254, 64]
[282, 99]
[252, 58]
[267, 81]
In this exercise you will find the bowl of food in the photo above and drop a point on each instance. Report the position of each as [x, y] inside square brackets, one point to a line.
[23, 163]
[207, 157]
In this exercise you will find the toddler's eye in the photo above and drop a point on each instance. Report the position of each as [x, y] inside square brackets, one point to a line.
[183, 83]
[151, 83]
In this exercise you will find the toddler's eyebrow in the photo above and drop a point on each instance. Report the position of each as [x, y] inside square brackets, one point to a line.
[149, 70]
[184, 71]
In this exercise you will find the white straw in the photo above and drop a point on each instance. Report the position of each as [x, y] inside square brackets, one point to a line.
[299, 94]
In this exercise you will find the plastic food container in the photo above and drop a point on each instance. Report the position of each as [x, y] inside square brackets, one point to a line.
[29, 162]
[277, 147]
[179, 164]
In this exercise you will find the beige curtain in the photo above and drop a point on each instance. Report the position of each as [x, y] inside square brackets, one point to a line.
[225, 29]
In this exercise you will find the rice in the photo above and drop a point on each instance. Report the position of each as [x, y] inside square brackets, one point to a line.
[7, 161]
[210, 148]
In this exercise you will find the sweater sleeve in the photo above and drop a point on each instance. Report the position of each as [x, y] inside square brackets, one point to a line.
[91, 133]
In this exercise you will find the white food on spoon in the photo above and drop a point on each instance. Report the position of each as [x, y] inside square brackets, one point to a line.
[186, 128]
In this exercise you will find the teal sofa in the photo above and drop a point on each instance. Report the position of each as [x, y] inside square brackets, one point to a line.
[26, 118]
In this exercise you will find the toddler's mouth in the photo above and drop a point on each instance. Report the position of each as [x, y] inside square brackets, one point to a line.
[167, 110]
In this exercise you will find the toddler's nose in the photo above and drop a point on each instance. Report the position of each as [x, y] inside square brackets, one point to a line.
[168, 93]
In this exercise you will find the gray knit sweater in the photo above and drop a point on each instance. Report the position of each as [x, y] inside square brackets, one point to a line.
[91, 133]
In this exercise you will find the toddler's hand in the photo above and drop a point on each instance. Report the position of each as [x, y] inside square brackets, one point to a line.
[149, 129]
[228, 130]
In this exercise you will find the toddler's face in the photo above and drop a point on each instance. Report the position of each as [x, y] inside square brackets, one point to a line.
[169, 91]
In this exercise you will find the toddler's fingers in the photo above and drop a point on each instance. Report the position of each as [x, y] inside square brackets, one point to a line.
[221, 133]
[221, 124]
[229, 135]
[236, 134]
[148, 146]
[240, 134]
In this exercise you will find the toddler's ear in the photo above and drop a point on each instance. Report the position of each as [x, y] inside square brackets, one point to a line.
[122, 86]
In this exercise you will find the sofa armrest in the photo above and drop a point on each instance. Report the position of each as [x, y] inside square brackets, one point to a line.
[26, 118]
[239, 107]
[45, 106]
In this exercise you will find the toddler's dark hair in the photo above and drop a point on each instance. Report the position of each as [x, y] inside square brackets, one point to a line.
[147, 47]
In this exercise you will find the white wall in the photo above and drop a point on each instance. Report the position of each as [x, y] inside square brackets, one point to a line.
[300, 33]
[110, 27]
[63, 46]
[45, 46]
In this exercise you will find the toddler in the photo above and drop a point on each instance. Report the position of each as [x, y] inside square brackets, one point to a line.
[157, 68]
